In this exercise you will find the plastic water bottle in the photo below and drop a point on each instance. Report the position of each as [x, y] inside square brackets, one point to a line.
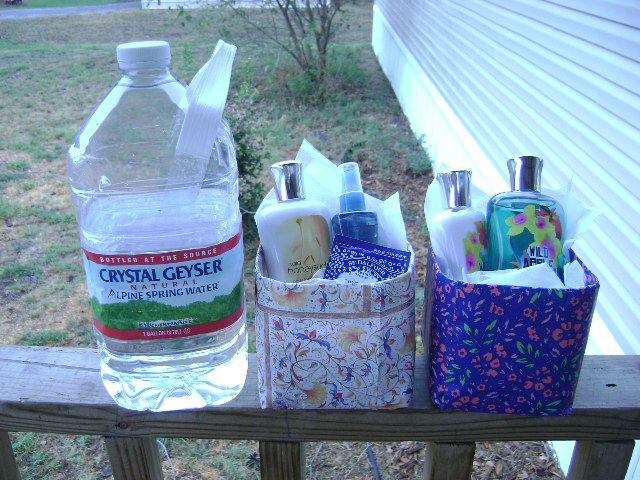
[163, 252]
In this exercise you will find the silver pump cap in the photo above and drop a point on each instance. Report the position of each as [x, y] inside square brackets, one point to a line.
[287, 176]
[456, 186]
[525, 173]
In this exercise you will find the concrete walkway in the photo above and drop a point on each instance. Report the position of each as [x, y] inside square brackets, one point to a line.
[13, 13]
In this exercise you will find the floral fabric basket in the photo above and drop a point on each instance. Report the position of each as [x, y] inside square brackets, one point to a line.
[505, 349]
[335, 346]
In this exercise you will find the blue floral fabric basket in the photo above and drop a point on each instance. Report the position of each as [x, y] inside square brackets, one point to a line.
[505, 349]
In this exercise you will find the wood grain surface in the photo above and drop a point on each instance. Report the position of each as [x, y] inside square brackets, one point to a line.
[59, 390]
[600, 460]
[281, 460]
[8, 467]
[448, 461]
[134, 458]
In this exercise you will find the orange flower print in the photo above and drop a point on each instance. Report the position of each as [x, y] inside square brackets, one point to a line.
[495, 309]
[347, 336]
[290, 298]
[567, 334]
[316, 394]
[500, 350]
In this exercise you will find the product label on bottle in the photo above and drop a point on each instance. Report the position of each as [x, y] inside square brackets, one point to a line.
[535, 235]
[475, 248]
[167, 294]
[304, 242]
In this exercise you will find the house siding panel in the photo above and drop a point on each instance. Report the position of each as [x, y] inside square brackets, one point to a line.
[556, 78]
[484, 80]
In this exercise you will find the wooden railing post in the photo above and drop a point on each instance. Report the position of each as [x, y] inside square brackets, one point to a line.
[449, 461]
[8, 466]
[134, 458]
[593, 460]
[281, 460]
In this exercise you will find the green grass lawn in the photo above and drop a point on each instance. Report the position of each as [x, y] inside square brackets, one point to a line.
[54, 70]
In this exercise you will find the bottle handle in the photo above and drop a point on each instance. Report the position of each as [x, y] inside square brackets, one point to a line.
[206, 96]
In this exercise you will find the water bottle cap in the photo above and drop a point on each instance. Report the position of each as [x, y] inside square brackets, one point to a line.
[148, 54]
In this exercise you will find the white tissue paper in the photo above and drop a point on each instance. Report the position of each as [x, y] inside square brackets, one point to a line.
[323, 181]
[579, 217]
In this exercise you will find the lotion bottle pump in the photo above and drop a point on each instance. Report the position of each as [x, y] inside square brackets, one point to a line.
[457, 233]
[294, 232]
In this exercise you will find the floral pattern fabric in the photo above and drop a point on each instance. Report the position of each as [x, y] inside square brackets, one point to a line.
[335, 346]
[506, 349]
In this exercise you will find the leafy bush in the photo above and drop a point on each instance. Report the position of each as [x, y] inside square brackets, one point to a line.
[250, 155]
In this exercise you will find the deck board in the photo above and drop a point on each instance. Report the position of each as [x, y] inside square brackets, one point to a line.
[59, 390]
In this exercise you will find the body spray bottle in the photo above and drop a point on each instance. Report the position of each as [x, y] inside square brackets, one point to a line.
[524, 226]
[354, 220]
[294, 233]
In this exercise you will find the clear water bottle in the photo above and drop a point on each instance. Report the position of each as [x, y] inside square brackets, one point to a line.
[162, 249]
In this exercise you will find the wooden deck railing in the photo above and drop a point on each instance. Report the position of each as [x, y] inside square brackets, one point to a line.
[58, 390]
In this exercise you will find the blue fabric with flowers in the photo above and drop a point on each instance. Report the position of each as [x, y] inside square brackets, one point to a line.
[506, 349]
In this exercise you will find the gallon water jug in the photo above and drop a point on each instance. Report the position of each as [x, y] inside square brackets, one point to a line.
[162, 244]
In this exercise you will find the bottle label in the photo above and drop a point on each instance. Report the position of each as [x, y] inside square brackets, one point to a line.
[305, 243]
[475, 248]
[167, 294]
[535, 235]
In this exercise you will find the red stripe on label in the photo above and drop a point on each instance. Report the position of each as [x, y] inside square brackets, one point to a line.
[171, 332]
[162, 258]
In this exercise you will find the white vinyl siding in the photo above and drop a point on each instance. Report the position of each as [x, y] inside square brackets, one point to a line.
[483, 80]
[559, 79]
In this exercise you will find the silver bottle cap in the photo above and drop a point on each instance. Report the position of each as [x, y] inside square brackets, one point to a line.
[525, 173]
[287, 176]
[456, 186]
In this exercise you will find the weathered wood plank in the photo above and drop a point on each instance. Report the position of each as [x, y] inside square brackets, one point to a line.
[59, 390]
[8, 466]
[600, 460]
[448, 461]
[281, 460]
[134, 458]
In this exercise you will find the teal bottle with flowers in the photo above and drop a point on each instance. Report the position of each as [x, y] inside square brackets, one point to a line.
[524, 227]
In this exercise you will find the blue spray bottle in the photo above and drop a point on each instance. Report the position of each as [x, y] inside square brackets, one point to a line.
[354, 220]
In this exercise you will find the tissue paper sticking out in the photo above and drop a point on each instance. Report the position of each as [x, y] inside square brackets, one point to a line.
[323, 182]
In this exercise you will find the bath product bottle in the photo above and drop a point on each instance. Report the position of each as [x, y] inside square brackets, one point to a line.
[163, 269]
[294, 233]
[458, 234]
[353, 220]
[524, 227]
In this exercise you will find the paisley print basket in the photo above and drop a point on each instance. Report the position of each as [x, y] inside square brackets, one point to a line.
[335, 346]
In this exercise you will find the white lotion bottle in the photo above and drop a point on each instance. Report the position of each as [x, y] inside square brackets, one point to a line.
[458, 233]
[294, 233]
